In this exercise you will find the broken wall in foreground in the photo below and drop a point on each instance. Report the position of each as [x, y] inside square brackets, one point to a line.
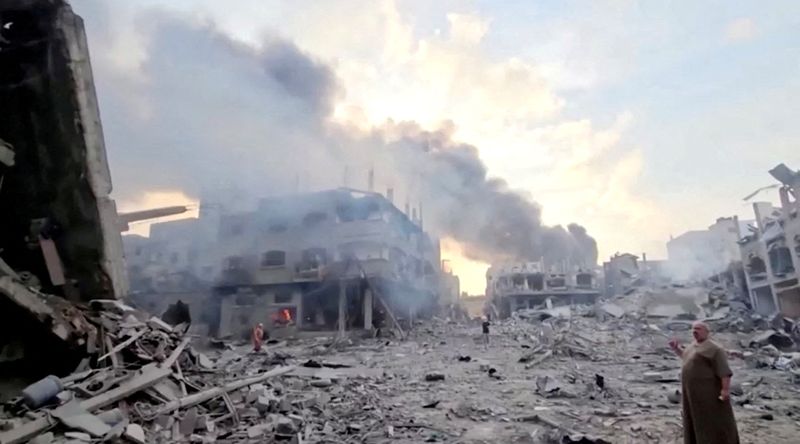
[60, 173]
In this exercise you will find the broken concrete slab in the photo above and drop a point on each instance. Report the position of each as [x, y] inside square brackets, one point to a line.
[771, 337]
[158, 324]
[188, 423]
[284, 426]
[613, 309]
[74, 416]
[78, 436]
[44, 438]
[135, 433]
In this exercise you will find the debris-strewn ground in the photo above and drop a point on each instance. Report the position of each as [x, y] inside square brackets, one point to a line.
[389, 399]
[565, 375]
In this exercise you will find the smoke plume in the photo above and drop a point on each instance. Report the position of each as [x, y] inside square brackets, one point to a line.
[205, 112]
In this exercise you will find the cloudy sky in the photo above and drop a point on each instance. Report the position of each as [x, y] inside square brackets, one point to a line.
[636, 119]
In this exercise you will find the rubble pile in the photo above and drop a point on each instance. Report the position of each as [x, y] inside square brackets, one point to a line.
[140, 380]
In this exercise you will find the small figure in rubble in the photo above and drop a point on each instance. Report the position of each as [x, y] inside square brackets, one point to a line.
[258, 337]
[485, 327]
[705, 383]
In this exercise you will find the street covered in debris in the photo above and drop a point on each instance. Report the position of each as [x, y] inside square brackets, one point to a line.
[581, 374]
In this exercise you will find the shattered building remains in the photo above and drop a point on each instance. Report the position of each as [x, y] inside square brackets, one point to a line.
[59, 229]
[771, 252]
[514, 286]
[698, 254]
[338, 259]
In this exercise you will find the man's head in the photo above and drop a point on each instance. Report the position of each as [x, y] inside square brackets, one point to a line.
[700, 331]
[260, 325]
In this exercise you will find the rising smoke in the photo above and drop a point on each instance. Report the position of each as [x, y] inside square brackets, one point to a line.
[205, 112]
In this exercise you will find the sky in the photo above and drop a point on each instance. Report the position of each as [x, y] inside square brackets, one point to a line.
[637, 119]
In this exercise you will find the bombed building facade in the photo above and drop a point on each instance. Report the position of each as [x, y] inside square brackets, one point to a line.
[338, 259]
[287, 262]
[771, 252]
[522, 285]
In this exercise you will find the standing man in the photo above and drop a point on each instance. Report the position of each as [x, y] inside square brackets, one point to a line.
[705, 383]
[485, 327]
[258, 337]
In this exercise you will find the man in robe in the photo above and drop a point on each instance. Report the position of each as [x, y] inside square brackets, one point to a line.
[705, 382]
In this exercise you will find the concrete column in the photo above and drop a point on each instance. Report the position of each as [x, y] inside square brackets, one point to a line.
[342, 300]
[368, 309]
[298, 303]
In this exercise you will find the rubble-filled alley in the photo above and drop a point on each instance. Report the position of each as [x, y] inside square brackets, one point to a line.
[586, 374]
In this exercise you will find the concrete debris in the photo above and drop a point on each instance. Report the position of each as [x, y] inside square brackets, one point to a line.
[44, 438]
[430, 377]
[777, 339]
[83, 437]
[75, 417]
[135, 433]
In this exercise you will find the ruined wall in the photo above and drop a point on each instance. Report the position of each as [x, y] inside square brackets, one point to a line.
[51, 118]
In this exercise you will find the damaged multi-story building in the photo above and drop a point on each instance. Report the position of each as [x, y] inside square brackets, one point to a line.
[339, 259]
[771, 252]
[520, 285]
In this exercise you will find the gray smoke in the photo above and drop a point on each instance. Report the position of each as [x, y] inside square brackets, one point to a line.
[214, 113]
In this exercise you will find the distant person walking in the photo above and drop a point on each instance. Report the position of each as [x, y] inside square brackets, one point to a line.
[485, 328]
[258, 337]
[705, 383]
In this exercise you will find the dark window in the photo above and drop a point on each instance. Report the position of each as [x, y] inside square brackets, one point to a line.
[283, 296]
[756, 265]
[781, 260]
[274, 258]
[315, 257]
[584, 280]
[536, 282]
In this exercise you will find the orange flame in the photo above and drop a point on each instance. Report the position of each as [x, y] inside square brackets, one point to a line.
[286, 315]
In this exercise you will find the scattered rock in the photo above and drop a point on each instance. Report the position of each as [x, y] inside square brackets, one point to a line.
[321, 383]
[44, 438]
[135, 433]
[80, 436]
[285, 426]
[430, 377]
